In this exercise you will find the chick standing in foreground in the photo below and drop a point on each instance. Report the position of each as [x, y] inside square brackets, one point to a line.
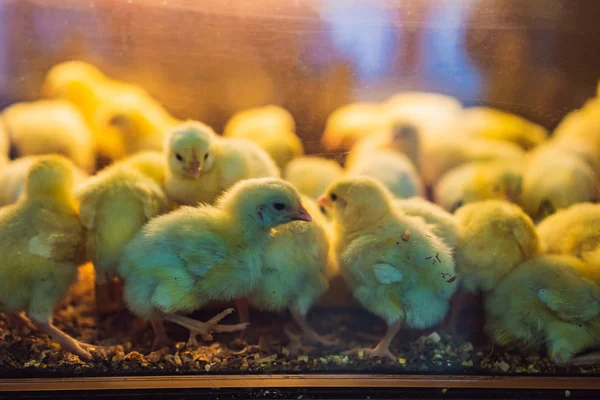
[270, 127]
[201, 165]
[41, 242]
[350, 123]
[312, 175]
[551, 301]
[114, 205]
[180, 261]
[397, 268]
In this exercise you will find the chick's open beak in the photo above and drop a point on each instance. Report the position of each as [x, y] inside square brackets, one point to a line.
[323, 201]
[300, 214]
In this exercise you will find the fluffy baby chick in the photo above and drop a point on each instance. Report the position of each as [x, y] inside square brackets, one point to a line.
[442, 223]
[553, 180]
[392, 169]
[477, 181]
[14, 174]
[51, 127]
[312, 175]
[551, 301]
[350, 123]
[180, 261]
[575, 231]
[395, 265]
[489, 123]
[201, 165]
[582, 125]
[270, 127]
[41, 241]
[114, 205]
[4, 141]
[295, 270]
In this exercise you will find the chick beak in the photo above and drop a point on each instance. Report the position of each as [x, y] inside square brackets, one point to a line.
[323, 201]
[195, 168]
[300, 214]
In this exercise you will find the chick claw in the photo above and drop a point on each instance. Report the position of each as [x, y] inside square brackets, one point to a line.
[379, 351]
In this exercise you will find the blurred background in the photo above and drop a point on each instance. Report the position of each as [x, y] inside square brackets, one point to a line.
[208, 59]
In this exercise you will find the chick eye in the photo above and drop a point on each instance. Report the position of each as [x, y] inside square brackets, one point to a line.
[206, 156]
[333, 196]
[278, 206]
[456, 206]
[178, 156]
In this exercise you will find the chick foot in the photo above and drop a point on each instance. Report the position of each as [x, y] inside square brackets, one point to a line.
[383, 347]
[309, 333]
[204, 328]
[67, 342]
[160, 335]
[587, 359]
[20, 321]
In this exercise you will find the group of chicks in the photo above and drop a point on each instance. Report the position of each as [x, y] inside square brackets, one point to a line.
[184, 216]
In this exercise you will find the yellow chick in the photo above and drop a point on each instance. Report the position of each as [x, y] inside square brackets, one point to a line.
[476, 181]
[582, 125]
[14, 174]
[295, 270]
[312, 175]
[114, 205]
[51, 127]
[442, 223]
[4, 141]
[201, 165]
[180, 261]
[272, 128]
[575, 231]
[489, 123]
[350, 123]
[551, 301]
[41, 241]
[392, 169]
[395, 265]
[554, 179]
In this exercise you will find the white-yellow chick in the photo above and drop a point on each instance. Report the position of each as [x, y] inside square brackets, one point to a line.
[489, 123]
[180, 261]
[14, 174]
[551, 301]
[476, 181]
[575, 231]
[350, 123]
[114, 205]
[201, 165]
[395, 265]
[51, 127]
[394, 170]
[442, 223]
[553, 180]
[272, 128]
[4, 141]
[41, 241]
[312, 175]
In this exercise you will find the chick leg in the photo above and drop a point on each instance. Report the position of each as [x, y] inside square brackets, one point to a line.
[160, 335]
[383, 347]
[203, 328]
[20, 321]
[457, 305]
[308, 331]
[587, 359]
[242, 309]
[67, 342]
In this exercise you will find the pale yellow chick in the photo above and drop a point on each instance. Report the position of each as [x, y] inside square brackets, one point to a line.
[582, 125]
[272, 128]
[51, 127]
[490, 123]
[41, 242]
[395, 265]
[550, 301]
[350, 123]
[201, 165]
[114, 205]
[312, 175]
[476, 181]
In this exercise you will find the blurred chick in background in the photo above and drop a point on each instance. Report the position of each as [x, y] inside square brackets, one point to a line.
[478, 181]
[272, 128]
[551, 301]
[124, 117]
[489, 123]
[180, 261]
[350, 123]
[575, 231]
[396, 266]
[394, 170]
[50, 127]
[494, 237]
[13, 176]
[582, 125]
[312, 175]
[42, 244]
[201, 165]
[554, 179]
[4, 141]
[114, 205]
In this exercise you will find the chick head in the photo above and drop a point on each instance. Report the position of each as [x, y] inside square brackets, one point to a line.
[70, 76]
[269, 201]
[189, 149]
[356, 200]
[149, 163]
[51, 175]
